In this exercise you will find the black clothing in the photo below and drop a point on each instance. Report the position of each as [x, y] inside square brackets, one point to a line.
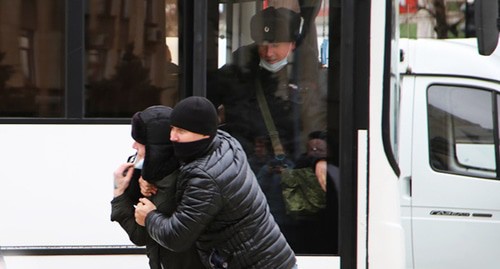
[123, 212]
[235, 89]
[195, 114]
[148, 126]
[151, 128]
[188, 151]
[222, 208]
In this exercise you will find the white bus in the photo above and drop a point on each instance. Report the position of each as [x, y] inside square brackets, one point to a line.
[412, 124]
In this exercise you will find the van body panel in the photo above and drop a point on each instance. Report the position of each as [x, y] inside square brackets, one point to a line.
[444, 205]
[451, 215]
[452, 57]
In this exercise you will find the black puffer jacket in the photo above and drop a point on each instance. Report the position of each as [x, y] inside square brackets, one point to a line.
[222, 208]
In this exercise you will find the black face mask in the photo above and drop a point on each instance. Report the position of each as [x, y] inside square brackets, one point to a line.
[189, 151]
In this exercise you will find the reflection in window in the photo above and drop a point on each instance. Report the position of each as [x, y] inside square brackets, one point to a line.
[461, 131]
[129, 68]
[31, 59]
[259, 56]
[26, 55]
[102, 7]
[436, 19]
[126, 9]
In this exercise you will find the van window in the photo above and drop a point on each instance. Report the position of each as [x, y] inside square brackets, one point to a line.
[461, 130]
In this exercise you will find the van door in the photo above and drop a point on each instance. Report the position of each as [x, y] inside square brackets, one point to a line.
[455, 188]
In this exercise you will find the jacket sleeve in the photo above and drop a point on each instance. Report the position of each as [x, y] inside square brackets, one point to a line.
[122, 211]
[200, 202]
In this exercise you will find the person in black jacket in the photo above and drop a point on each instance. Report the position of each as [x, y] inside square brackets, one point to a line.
[221, 207]
[150, 130]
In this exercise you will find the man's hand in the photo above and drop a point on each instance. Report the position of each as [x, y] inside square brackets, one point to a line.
[147, 189]
[142, 209]
[122, 176]
[321, 173]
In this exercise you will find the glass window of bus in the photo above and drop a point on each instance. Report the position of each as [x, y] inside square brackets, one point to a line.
[132, 56]
[461, 136]
[282, 55]
[32, 58]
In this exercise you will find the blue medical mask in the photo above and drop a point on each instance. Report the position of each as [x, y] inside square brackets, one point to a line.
[139, 164]
[275, 67]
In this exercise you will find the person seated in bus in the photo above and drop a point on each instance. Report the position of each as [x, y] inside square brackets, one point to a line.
[259, 76]
[320, 229]
[316, 151]
[220, 207]
[150, 131]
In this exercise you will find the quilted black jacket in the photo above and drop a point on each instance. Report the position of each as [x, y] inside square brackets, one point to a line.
[222, 208]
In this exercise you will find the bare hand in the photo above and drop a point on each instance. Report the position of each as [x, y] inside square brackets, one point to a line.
[147, 189]
[321, 173]
[122, 176]
[142, 209]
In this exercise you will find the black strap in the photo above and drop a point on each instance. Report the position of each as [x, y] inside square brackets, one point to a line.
[271, 127]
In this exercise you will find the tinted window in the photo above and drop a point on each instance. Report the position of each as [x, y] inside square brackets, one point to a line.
[32, 58]
[131, 56]
[461, 135]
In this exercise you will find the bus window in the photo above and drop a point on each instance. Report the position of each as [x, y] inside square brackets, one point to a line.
[32, 63]
[129, 68]
[461, 136]
[274, 54]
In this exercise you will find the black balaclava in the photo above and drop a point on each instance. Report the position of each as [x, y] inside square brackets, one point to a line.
[198, 115]
[151, 127]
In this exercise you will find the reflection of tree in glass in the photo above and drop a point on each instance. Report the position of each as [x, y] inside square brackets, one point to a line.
[15, 101]
[171, 18]
[129, 89]
[5, 71]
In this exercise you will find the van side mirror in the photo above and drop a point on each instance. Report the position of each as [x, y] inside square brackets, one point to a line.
[487, 23]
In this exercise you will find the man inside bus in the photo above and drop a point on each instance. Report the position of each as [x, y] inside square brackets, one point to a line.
[264, 71]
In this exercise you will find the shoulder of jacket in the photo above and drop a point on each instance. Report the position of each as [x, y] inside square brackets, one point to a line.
[168, 179]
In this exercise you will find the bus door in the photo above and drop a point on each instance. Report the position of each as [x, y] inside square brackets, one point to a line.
[242, 42]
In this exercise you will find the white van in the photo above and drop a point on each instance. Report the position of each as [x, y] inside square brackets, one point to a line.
[449, 154]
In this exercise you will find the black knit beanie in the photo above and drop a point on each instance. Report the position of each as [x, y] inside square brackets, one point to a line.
[195, 114]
